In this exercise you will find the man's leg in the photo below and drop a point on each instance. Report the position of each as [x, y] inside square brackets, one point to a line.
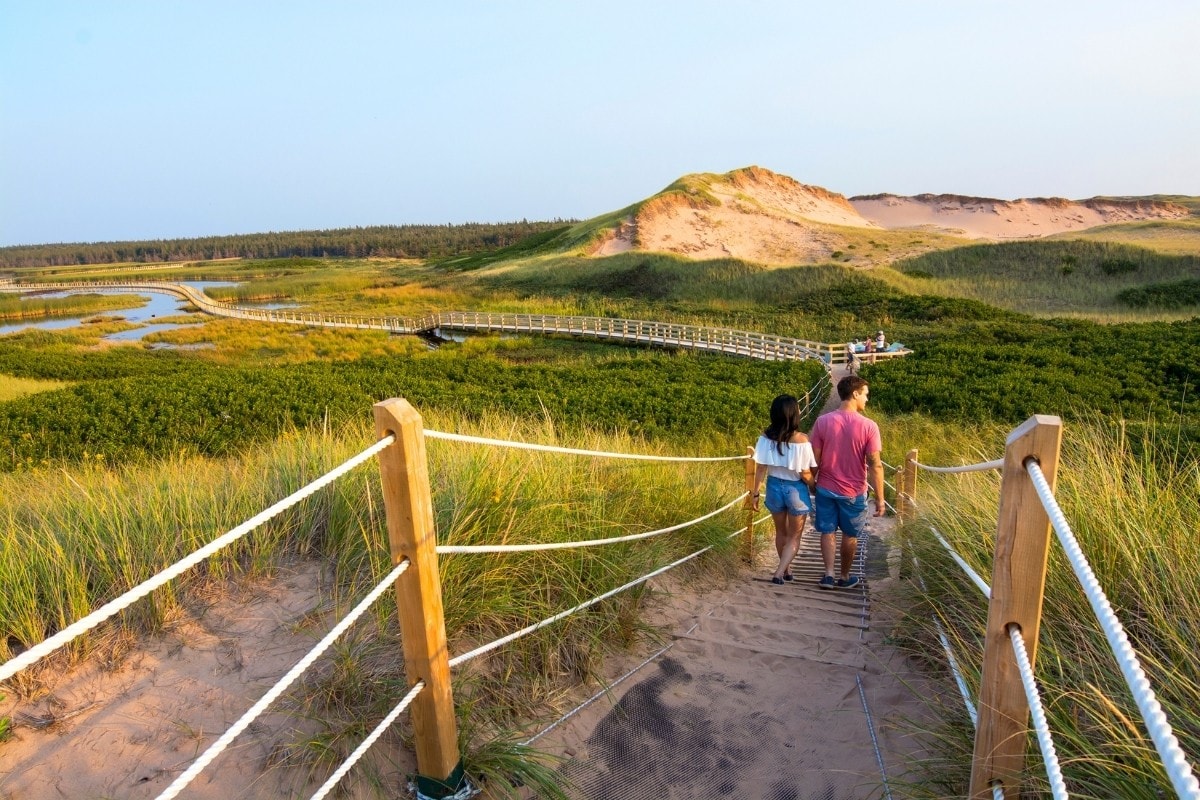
[852, 518]
[825, 517]
[828, 546]
[849, 550]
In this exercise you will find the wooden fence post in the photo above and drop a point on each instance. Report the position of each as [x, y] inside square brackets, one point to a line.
[405, 475]
[750, 487]
[906, 509]
[908, 494]
[1018, 584]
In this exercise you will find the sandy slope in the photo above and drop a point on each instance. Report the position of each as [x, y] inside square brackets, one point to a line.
[986, 218]
[758, 215]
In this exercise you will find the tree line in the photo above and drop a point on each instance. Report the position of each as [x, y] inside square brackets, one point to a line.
[385, 241]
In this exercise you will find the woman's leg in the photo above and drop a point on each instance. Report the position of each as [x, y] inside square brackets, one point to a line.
[780, 518]
[794, 530]
[788, 543]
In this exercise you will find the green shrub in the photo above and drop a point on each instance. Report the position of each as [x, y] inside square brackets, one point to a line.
[1118, 266]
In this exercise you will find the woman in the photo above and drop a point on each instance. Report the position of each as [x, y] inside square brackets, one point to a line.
[785, 457]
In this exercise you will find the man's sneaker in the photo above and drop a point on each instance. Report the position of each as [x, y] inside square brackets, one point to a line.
[849, 583]
[826, 582]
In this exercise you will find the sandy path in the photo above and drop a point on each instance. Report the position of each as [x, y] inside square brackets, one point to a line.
[763, 691]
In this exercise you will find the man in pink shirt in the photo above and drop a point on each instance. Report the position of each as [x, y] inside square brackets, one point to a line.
[846, 445]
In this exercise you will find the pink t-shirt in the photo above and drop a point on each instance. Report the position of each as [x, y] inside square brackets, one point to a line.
[845, 439]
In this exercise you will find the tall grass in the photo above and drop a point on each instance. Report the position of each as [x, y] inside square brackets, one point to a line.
[74, 537]
[12, 387]
[1132, 505]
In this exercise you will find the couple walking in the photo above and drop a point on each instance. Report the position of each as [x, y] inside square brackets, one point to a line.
[825, 472]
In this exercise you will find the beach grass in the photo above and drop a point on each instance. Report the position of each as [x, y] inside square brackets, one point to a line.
[1131, 503]
[12, 387]
[74, 537]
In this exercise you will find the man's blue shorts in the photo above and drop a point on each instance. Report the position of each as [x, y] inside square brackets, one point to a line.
[790, 495]
[840, 511]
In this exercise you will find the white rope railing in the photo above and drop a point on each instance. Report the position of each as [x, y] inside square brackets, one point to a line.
[546, 448]
[1038, 714]
[1174, 760]
[526, 548]
[975, 577]
[373, 737]
[955, 670]
[82, 626]
[478, 651]
[980, 467]
[218, 747]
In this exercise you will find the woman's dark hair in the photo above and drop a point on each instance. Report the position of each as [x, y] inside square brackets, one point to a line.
[785, 420]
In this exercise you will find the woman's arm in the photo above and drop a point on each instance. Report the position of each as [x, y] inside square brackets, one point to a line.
[760, 472]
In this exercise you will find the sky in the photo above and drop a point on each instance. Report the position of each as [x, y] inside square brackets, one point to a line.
[145, 119]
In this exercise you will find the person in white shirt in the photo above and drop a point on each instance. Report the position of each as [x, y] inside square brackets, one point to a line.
[785, 457]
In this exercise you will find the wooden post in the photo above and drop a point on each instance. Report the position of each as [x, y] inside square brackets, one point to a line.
[908, 478]
[406, 497]
[750, 487]
[1018, 584]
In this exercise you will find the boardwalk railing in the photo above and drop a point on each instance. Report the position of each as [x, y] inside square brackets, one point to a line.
[1008, 694]
[404, 474]
[661, 334]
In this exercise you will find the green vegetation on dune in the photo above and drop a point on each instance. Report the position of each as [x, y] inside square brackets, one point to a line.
[1049, 277]
[1172, 237]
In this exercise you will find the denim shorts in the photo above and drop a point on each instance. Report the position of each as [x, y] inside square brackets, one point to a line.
[791, 496]
[840, 511]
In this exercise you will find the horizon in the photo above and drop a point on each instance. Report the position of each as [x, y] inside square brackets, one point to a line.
[147, 122]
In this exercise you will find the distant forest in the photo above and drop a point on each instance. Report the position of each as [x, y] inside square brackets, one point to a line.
[386, 241]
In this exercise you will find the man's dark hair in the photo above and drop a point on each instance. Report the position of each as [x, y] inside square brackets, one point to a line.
[848, 385]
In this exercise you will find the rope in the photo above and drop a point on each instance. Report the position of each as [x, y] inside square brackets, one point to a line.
[887, 791]
[1053, 771]
[967, 568]
[478, 651]
[545, 448]
[955, 670]
[1174, 760]
[373, 737]
[217, 747]
[525, 548]
[980, 467]
[39, 651]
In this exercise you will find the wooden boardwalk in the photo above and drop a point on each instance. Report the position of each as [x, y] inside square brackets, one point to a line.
[763, 691]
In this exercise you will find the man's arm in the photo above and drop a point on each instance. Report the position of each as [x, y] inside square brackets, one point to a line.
[875, 465]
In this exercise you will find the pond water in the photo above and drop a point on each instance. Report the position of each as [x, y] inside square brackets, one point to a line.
[160, 304]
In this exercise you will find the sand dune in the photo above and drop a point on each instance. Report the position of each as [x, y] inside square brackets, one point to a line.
[995, 220]
[758, 215]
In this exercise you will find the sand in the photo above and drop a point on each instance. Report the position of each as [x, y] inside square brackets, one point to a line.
[757, 215]
[126, 725]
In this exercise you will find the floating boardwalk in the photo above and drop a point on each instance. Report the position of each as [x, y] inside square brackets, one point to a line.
[726, 341]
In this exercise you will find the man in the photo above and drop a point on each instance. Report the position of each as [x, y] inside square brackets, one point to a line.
[846, 445]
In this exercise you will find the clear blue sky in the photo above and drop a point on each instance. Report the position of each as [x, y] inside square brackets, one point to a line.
[137, 119]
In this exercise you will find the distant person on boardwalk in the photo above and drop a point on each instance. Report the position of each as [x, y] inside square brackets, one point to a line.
[880, 342]
[852, 357]
[785, 457]
[847, 446]
[869, 350]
